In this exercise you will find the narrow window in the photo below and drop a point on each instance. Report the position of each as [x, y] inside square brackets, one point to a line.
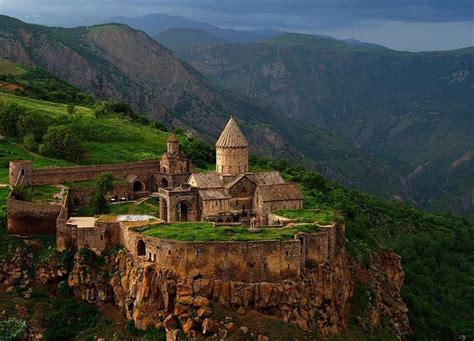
[169, 252]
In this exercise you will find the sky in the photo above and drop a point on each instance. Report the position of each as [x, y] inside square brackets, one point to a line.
[412, 25]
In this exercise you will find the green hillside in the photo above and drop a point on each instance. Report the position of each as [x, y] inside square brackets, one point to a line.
[410, 111]
[37, 83]
[184, 37]
[436, 249]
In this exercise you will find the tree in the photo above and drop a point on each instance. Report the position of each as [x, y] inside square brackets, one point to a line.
[61, 141]
[71, 109]
[103, 185]
[32, 124]
[10, 114]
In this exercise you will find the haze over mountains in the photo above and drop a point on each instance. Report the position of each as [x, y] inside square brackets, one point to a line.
[392, 123]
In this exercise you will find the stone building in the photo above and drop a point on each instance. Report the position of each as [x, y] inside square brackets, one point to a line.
[231, 193]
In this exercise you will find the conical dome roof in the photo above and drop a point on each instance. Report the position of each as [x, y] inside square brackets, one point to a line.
[231, 136]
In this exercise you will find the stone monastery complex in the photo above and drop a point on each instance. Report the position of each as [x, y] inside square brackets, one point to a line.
[229, 196]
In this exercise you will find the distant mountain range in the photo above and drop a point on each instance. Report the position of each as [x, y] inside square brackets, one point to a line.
[115, 61]
[411, 111]
[153, 24]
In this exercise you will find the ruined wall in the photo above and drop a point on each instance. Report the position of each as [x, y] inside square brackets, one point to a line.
[143, 169]
[233, 260]
[20, 173]
[264, 208]
[26, 218]
[82, 196]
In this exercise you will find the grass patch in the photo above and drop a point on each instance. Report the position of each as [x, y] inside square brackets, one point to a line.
[9, 68]
[39, 194]
[150, 206]
[196, 231]
[308, 215]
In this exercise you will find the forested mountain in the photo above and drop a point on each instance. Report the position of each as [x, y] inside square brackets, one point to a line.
[185, 37]
[411, 111]
[115, 61]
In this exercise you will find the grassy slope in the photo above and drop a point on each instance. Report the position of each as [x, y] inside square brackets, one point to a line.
[110, 139]
[8, 68]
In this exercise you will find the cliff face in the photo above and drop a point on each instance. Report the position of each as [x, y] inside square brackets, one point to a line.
[321, 300]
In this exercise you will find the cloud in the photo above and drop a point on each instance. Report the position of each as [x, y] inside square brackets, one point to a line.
[304, 13]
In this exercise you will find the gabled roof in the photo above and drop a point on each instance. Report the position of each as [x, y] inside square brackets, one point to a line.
[280, 192]
[236, 180]
[231, 136]
[213, 194]
[266, 178]
[206, 180]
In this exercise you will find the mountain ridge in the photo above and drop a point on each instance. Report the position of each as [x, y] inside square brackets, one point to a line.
[115, 61]
[401, 107]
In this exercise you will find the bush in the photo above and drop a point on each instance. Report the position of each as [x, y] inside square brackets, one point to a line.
[10, 114]
[29, 123]
[12, 329]
[30, 142]
[104, 184]
[61, 141]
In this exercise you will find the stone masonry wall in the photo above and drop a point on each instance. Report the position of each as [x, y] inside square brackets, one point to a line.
[143, 169]
[233, 260]
[26, 218]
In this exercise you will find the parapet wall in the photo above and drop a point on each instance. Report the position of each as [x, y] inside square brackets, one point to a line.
[143, 169]
[26, 218]
[246, 261]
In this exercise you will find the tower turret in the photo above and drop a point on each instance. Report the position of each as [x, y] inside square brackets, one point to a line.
[232, 150]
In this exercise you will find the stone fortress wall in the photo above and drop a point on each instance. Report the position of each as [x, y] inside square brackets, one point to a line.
[53, 176]
[246, 261]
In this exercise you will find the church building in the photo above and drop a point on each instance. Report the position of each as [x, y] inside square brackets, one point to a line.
[229, 194]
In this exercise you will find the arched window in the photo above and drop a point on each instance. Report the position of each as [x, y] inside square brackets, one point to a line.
[141, 248]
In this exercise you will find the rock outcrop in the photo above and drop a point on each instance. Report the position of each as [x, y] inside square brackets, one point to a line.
[153, 296]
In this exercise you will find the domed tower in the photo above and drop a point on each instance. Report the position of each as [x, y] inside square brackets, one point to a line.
[232, 150]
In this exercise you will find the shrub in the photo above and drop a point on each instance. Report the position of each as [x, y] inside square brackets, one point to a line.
[61, 141]
[104, 184]
[12, 329]
[30, 142]
[29, 123]
[10, 114]
[71, 109]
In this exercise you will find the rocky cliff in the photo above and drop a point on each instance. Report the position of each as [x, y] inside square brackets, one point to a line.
[321, 300]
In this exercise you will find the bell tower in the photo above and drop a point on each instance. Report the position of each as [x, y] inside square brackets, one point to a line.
[172, 144]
